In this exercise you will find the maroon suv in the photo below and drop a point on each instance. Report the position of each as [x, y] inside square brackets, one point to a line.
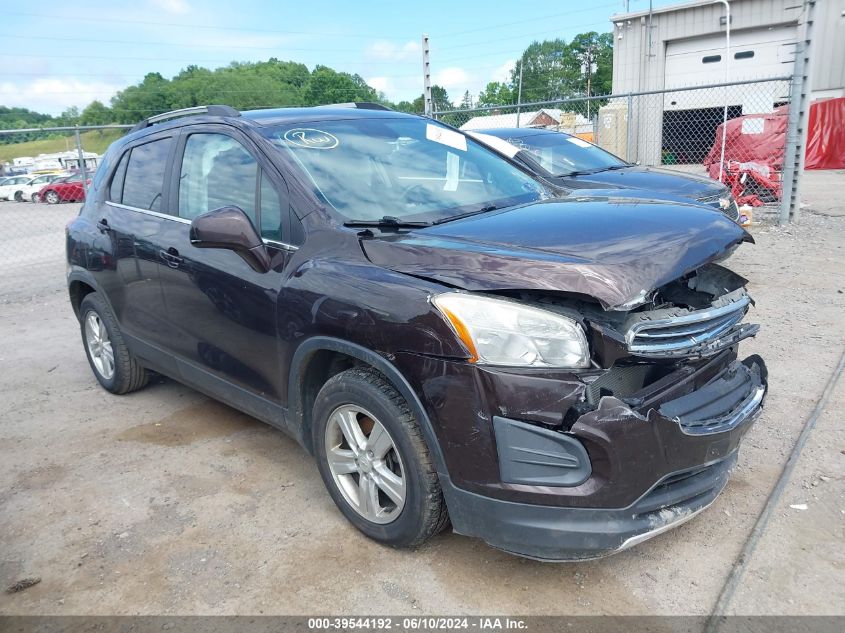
[451, 341]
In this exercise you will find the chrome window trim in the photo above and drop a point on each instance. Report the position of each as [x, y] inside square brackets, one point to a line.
[165, 216]
[283, 245]
[156, 214]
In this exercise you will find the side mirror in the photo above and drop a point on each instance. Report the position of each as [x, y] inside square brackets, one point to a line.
[230, 228]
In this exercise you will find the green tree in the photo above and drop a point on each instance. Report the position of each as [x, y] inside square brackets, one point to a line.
[95, 113]
[550, 70]
[439, 97]
[496, 93]
[151, 96]
[594, 52]
[326, 85]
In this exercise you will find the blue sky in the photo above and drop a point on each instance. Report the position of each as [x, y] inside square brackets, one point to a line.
[57, 54]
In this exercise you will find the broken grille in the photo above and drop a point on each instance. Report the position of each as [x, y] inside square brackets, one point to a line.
[732, 211]
[678, 335]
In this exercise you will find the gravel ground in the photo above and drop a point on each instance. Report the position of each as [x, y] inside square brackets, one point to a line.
[166, 502]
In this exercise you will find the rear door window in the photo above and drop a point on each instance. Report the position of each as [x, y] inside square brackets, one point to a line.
[144, 181]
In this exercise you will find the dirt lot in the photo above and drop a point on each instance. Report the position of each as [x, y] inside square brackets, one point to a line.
[166, 502]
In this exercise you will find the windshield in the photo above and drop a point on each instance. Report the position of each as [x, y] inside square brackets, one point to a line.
[561, 154]
[408, 169]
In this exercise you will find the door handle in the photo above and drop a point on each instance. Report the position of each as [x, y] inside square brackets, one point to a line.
[103, 226]
[171, 256]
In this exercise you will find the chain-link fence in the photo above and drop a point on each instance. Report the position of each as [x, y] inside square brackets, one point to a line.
[43, 177]
[680, 129]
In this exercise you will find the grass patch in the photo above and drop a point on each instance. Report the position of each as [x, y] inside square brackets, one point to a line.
[92, 141]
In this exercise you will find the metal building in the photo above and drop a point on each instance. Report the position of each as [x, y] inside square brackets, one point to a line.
[684, 45]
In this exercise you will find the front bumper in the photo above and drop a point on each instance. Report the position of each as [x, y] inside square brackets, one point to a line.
[571, 534]
[625, 470]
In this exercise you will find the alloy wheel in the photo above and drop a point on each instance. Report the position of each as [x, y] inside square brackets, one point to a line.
[99, 345]
[52, 197]
[365, 464]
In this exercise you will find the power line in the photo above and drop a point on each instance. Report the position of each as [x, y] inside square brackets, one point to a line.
[174, 44]
[183, 25]
[182, 60]
[534, 19]
[514, 37]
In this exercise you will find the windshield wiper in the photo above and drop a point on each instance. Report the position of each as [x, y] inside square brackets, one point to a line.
[488, 208]
[596, 170]
[387, 222]
[579, 172]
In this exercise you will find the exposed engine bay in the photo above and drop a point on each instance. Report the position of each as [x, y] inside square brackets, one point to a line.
[674, 331]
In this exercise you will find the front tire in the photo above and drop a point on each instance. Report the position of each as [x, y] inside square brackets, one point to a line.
[19, 196]
[113, 364]
[52, 197]
[374, 461]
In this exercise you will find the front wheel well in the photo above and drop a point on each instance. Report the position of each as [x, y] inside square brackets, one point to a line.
[78, 291]
[318, 369]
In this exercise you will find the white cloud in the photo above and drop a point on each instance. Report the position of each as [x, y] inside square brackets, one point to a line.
[503, 72]
[392, 52]
[179, 7]
[53, 95]
[382, 84]
[452, 77]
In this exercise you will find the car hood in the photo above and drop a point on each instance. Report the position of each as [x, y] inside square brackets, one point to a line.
[614, 250]
[650, 178]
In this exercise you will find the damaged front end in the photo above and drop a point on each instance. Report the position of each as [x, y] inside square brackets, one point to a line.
[591, 461]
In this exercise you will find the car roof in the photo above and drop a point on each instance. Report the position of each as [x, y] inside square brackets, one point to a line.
[275, 116]
[517, 132]
[267, 117]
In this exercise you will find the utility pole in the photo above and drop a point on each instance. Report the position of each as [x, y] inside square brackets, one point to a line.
[588, 66]
[519, 93]
[82, 170]
[798, 119]
[427, 103]
[727, 89]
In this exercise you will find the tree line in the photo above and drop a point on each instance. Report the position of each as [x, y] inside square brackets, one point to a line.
[551, 69]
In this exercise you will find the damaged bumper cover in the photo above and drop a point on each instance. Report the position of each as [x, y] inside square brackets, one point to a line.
[624, 472]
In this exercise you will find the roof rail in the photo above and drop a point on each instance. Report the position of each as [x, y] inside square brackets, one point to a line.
[361, 105]
[213, 110]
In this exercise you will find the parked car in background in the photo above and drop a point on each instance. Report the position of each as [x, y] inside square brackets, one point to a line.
[453, 343]
[28, 191]
[9, 185]
[573, 163]
[67, 189]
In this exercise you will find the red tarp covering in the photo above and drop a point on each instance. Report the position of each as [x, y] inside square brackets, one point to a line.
[764, 146]
[826, 135]
[760, 139]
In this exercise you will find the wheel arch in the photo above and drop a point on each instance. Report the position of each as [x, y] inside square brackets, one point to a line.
[80, 285]
[313, 364]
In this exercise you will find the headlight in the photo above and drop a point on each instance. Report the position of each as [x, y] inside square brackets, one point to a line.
[502, 332]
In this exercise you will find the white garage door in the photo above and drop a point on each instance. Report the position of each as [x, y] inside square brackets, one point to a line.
[755, 54]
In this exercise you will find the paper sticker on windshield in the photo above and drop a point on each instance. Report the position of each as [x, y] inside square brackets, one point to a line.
[311, 138]
[577, 141]
[445, 136]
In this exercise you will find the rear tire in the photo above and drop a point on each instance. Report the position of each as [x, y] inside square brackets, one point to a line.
[35, 198]
[113, 364]
[386, 485]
